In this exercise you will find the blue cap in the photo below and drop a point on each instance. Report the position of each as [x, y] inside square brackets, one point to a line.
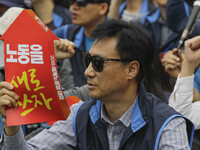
[16, 3]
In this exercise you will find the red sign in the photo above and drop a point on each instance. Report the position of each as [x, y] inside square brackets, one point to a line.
[30, 66]
[70, 100]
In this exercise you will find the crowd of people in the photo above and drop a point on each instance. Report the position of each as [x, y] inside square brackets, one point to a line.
[139, 89]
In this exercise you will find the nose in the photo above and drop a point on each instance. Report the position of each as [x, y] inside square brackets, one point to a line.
[90, 72]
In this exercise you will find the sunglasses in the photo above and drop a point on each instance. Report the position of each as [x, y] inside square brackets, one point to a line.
[83, 3]
[97, 62]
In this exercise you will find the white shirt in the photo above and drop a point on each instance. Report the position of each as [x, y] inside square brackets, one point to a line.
[181, 100]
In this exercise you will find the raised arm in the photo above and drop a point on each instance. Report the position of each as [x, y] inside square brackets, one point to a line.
[182, 97]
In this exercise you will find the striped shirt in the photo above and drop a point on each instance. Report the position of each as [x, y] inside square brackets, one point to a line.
[61, 135]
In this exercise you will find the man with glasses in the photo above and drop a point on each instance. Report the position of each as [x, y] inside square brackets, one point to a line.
[86, 15]
[120, 113]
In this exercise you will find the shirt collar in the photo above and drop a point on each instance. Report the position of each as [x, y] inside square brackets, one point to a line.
[125, 119]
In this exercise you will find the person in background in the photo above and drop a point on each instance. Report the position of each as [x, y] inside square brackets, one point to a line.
[182, 97]
[52, 15]
[86, 15]
[120, 113]
[172, 60]
[55, 16]
[130, 10]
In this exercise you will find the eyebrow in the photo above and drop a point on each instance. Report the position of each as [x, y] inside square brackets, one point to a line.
[98, 55]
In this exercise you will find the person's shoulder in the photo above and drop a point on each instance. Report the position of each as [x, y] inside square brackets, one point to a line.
[158, 106]
[69, 27]
[75, 106]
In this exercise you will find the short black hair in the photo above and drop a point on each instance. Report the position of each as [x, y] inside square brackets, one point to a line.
[134, 42]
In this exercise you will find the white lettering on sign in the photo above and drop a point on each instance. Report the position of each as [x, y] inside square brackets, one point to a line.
[25, 54]
[41, 23]
[56, 78]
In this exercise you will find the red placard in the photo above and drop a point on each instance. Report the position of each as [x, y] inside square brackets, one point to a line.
[70, 100]
[30, 66]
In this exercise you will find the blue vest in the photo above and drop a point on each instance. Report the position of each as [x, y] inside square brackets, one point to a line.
[150, 116]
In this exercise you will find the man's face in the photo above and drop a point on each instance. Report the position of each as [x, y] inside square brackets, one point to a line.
[112, 80]
[86, 15]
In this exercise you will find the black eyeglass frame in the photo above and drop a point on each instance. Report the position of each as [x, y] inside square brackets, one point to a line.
[98, 66]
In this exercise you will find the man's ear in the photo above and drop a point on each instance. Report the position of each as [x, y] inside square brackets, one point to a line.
[133, 69]
[104, 8]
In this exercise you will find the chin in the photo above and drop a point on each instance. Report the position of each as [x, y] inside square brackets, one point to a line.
[77, 22]
[93, 95]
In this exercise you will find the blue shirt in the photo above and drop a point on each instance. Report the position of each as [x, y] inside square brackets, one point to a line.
[88, 43]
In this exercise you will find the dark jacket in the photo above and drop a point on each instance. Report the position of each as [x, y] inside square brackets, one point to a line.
[153, 24]
[61, 16]
[178, 13]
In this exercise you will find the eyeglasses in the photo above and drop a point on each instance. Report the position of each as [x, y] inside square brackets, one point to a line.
[97, 62]
[83, 3]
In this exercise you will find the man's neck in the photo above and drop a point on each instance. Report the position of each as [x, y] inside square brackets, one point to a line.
[90, 27]
[115, 109]
[134, 6]
[44, 10]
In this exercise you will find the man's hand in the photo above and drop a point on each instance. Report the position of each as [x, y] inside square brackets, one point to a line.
[192, 57]
[63, 49]
[172, 63]
[192, 50]
[8, 98]
[114, 7]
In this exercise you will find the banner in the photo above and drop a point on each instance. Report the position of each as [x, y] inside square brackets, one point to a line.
[30, 66]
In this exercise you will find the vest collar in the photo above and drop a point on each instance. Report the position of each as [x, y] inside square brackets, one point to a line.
[137, 117]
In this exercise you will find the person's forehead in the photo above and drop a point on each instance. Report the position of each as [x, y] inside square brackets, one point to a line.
[104, 47]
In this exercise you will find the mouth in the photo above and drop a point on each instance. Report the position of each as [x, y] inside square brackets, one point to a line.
[91, 86]
[74, 15]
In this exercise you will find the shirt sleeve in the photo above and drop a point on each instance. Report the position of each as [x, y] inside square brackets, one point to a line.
[81, 92]
[60, 136]
[174, 135]
[181, 100]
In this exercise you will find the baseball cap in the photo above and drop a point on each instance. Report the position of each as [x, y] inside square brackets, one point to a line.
[17, 3]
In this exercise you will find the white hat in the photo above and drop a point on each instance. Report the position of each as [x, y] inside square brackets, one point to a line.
[8, 17]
